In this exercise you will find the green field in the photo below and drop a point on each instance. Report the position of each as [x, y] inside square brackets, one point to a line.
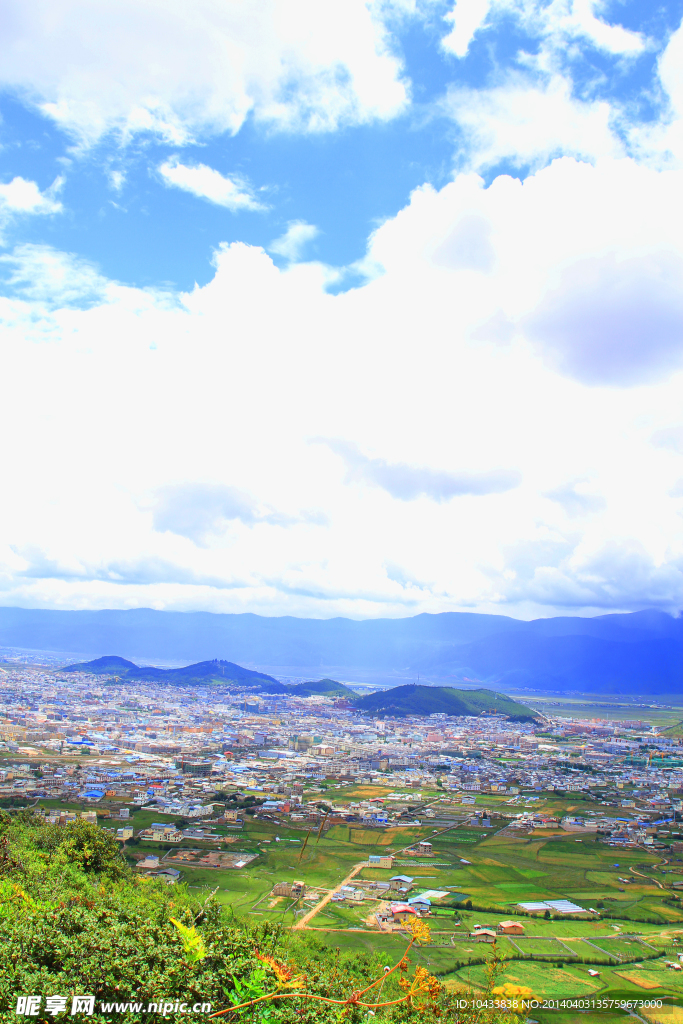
[613, 710]
[503, 870]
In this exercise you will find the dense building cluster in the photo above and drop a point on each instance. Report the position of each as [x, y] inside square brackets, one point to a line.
[218, 752]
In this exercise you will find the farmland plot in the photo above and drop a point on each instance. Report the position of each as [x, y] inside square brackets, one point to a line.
[538, 946]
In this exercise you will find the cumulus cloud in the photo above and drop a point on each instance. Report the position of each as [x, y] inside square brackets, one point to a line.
[528, 120]
[168, 436]
[22, 196]
[547, 101]
[296, 237]
[614, 321]
[468, 247]
[207, 183]
[410, 482]
[178, 71]
[581, 20]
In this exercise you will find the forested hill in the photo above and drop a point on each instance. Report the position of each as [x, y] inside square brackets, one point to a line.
[204, 672]
[324, 687]
[428, 700]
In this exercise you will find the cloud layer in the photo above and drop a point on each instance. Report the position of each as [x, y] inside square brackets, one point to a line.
[410, 482]
[505, 437]
[499, 392]
[614, 322]
[177, 71]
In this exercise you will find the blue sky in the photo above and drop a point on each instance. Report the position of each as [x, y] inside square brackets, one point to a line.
[361, 308]
[344, 181]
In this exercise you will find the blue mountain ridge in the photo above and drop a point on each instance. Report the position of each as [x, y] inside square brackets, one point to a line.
[628, 653]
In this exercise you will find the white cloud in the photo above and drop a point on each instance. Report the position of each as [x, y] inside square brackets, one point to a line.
[180, 70]
[661, 140]
[207, 183]
[410, 482]
[172, 435]
[610, 38]
[576, 502]
[202, 512]
[529, 122]
[294, 240]
[614, 322]
[46, 275]
[20, 197]
[534, 109]
[467, 16]
[555, 23]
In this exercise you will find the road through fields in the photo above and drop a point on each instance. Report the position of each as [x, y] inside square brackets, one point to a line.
[303, 923]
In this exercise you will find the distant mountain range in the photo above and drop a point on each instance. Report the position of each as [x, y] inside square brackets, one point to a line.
[640, 653]
[427, 700]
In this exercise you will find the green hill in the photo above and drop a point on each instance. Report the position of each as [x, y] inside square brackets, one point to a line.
[323, 688]
[203, 672]
[429, 700]
[209, 672]
[109, 665]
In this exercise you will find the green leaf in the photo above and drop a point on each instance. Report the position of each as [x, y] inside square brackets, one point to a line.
[193, 943]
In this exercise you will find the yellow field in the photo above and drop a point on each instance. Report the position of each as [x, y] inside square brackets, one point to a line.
[405, 836]
[368, 837]
[639, 978]
[665, 1015]
[366, 792]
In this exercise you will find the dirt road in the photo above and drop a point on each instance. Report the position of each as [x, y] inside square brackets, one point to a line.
[649, 879]
[303, 922]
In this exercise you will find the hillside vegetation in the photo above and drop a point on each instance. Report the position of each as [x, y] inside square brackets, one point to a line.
[429, 700]
[203, 672]
[323, 688]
